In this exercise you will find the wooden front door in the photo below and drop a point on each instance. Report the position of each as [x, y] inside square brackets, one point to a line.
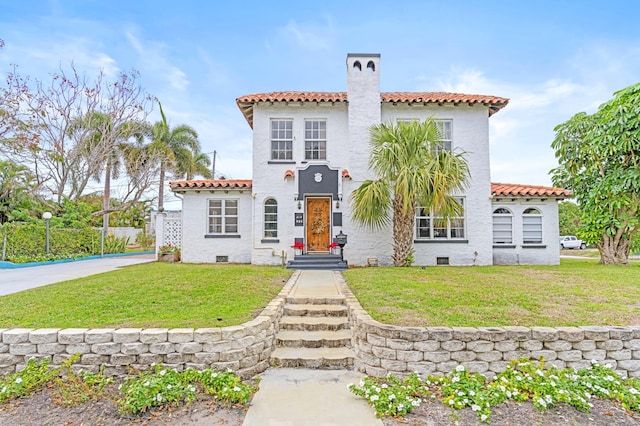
[318, 224]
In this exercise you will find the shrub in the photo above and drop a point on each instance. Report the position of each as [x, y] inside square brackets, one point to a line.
[145, 240]
[27, 241]
[162, 386]
[113, 244]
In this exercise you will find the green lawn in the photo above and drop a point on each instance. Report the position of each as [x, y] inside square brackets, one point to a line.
[578, 292]
[148, 295]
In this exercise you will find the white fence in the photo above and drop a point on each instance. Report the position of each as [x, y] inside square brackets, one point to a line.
[168, 230]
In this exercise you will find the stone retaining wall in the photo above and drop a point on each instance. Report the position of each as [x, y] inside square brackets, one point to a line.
[246, 349]
[385, 349]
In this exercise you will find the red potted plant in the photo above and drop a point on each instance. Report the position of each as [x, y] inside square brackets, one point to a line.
[298, 245]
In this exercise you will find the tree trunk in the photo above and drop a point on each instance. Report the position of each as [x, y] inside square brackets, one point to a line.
[614, 252]
[161, 191]
[402, 234]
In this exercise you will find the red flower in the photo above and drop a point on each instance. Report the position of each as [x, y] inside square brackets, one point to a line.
[298, 245]
[333, 245]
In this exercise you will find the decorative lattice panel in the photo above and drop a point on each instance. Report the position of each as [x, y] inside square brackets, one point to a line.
[173, 232]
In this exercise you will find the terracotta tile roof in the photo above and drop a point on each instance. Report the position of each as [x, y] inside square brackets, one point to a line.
[211, 184]
[497, 189]
[346, 174]
[494, 103]
[517, 190]
[289, 174]
[294, 97]
[444, 97]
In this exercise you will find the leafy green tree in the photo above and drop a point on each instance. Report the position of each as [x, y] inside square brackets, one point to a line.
[569, 218]
[174, 146]
[17, 199]
[78, 214]
[599, 156]
[411, 170]
[136, 215]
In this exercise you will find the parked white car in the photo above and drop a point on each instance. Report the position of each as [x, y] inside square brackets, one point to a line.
[571, 242]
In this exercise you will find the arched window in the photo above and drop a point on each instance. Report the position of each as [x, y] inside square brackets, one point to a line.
[270, 218]
[502, 226]
[371, 66]
[357, 66]
[532, 226]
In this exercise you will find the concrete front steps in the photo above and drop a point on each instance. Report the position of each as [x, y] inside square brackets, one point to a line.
[318, 262]
[314, 333]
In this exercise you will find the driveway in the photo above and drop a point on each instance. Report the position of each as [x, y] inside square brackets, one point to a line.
[15, 280]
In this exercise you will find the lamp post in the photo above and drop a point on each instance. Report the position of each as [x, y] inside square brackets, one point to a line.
[47, 217]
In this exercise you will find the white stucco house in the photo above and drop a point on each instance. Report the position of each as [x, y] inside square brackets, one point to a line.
[311, 150]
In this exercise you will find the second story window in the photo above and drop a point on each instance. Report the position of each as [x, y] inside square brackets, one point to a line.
[282, 139]
[315, 140]
[446, 136]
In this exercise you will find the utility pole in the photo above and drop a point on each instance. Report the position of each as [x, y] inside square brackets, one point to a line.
[213, 166]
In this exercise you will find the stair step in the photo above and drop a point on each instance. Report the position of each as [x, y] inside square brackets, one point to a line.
[313, 310]
[317, 266]
[301, 300]
[313, 339]
[324, 257]
[313, 323]
[327, 358]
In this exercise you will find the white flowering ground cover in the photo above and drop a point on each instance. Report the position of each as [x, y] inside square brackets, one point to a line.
[524, 380]
[158, 387]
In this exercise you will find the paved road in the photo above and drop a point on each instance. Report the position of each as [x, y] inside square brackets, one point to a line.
[15, 280]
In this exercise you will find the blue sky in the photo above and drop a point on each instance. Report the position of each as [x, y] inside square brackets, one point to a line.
[551, 58]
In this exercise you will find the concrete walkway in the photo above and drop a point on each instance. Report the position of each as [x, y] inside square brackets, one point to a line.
[15, 280]
[305, 397]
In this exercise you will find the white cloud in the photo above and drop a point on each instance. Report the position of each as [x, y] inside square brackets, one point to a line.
[521, 134]
[38, 57]
[153, 60]
[309, 36]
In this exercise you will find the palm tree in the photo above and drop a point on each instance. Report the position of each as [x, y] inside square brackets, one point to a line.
[105, 145]
[412, 170]
[195, 164]
[175, 146]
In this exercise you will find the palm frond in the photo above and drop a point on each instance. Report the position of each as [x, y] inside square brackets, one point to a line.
[371, 203]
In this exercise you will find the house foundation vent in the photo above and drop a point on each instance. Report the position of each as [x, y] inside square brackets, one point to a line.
[442, 260]
[372, 261]
[222, 259]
